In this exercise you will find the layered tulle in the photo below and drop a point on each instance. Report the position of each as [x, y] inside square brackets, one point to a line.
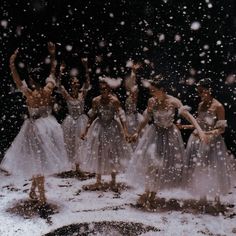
[105, 148]
[38, 149]
[208, 166]
[72, 129]
[158, 159]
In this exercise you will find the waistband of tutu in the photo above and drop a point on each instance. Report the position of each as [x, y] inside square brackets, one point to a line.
[37, 116]
[158, 126]
[76, 116]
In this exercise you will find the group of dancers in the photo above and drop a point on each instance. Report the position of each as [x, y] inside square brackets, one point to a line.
[109, 140]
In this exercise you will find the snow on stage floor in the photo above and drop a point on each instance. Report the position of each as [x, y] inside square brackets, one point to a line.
[76, 206]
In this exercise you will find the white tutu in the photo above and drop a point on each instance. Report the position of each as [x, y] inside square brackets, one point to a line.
[157, 162]
[73, 126]
[39, 148]
[208, 165]
[105, 149]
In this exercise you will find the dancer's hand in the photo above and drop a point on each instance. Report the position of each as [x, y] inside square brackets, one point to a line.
[127, 137]
[62, 67]
[13, 58]
[136, 66]
[134, 137]
[83, 136]
[51, 48]
[179, 126]
[84, 61]
[204, 137]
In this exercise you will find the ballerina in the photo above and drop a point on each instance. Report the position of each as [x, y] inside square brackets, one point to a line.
[38, 149]
[76, 120]
[208, 164]
[105, 149]
[159, 157]
[133, 117]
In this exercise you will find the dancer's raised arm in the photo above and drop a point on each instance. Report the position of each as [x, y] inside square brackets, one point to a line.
[16, 77]
[86, 84]
[51, 80]
[52, 52]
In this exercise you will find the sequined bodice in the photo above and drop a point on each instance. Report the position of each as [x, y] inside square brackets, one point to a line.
[163, 118]
[207, 120]
[130, 106]
[39, 112]
[75, 108]
[106, 112]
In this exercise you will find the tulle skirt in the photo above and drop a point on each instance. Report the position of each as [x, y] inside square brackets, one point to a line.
[208, 167]
[38, 149]
[72, 129]
[157, 162]
[105, 148]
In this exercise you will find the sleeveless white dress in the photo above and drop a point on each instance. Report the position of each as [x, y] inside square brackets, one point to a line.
[157, 162]
[73, 126]
[208, 165]
[105, 148]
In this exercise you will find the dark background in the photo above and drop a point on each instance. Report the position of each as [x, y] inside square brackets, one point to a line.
[116, 31]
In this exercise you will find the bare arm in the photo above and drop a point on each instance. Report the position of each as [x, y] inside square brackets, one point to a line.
[16, 77]
[64, 93]
[92, 117]
[14, 71]
[87, 77]
[185, 113]
[51, 80]
[52, 52]
[221, 123]
[131, 81]
[185, 126]
[62, 89]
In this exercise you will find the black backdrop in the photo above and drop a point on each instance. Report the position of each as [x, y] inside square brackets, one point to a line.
[158, 33]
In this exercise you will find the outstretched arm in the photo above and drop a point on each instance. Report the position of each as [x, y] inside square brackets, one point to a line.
[52, 52]
[16, 77]
[86, 85]
[131, 81]
[14, 71]
[51, 80]
[62, 89]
